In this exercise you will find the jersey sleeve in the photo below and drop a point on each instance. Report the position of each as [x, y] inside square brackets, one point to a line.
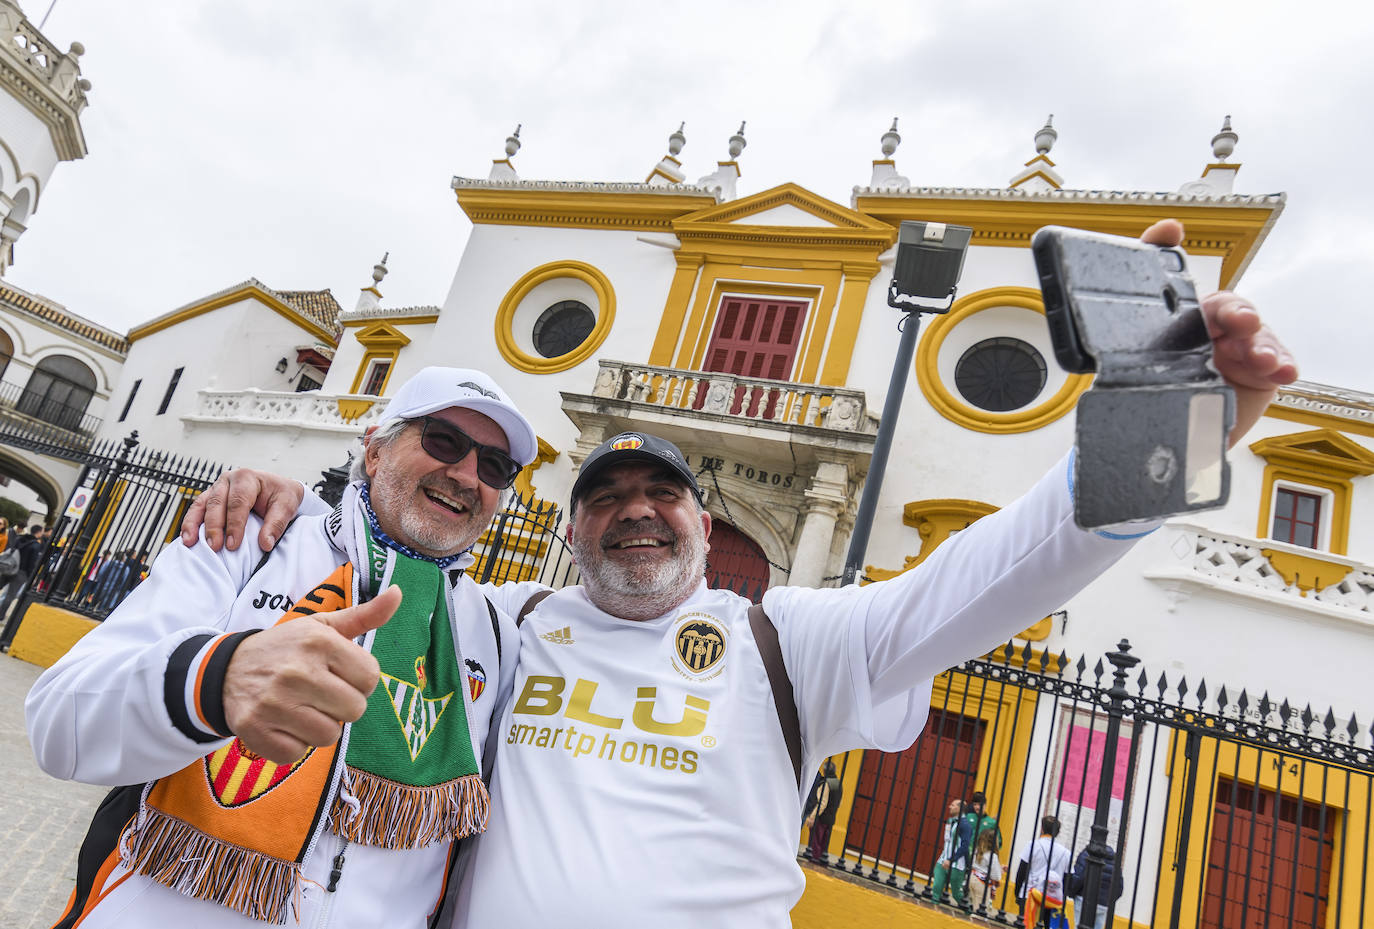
[862, 659]
[138, 697]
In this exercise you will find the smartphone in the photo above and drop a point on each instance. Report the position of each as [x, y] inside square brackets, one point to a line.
[1152, 431]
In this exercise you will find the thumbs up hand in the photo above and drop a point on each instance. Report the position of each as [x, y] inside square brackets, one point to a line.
[293, 685]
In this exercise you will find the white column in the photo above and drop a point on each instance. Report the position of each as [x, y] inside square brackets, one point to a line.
[826, 499]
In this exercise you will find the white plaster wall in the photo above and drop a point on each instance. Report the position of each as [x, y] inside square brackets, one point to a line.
[234, 347]
[496, 257]
[29, 144]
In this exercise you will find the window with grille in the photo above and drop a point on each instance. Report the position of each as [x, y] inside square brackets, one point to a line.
[376, 378]
[1297, 518]
[1000, 374]
[563, 327]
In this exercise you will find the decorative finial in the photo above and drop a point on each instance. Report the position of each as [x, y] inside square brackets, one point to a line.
[891, 140]
[379, 270]
[513, 141]
[737, 142]
[677, 140]
[76, 50]
[1224, 142]
[1044, 139]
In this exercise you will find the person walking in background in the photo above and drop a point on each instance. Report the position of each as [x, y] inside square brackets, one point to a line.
[951, 868]
[1109, 887]
[985, 873]
[30, 547]
[827, 804]
[1040, 875]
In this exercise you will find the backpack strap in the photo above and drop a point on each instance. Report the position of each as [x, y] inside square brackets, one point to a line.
[530, 604]
[770, 650]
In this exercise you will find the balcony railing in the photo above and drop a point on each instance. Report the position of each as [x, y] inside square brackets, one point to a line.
[756, 399]
[307, 409]
[30, 420]
[1270, 568]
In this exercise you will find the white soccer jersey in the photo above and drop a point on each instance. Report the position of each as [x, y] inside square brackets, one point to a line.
[642, 779]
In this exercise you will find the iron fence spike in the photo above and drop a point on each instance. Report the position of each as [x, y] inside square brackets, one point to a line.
[1221, 699]
[1142, 682]
[1265, 706]
[1097, 670]
[1329, 722]
[1307, 717]
[1028, 653]
[1353, 728]
[1285, 711]
[1163, 685]
[1201, 693]
[1080, 666]
[1182, 688]
[1063, 661]
[1243, 701]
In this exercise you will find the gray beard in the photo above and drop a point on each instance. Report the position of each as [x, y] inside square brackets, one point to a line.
[644, 591]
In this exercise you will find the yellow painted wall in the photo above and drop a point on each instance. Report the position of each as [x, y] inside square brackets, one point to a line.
[47, 633]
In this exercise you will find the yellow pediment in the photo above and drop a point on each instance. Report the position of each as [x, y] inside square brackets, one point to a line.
[1322, 450]
[785, 207]
[382, 336]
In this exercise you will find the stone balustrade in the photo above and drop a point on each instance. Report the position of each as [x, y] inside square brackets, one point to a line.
[729, 395]
[1271, 568]
[31, 49]
[307, 409]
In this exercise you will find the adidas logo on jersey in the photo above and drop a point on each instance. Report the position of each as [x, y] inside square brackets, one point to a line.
[559, 636]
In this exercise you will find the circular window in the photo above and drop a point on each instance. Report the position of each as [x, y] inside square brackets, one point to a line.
[1000, 374]
[563, 327]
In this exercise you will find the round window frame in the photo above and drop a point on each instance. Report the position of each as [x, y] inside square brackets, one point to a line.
[954, 408]
[509, 346]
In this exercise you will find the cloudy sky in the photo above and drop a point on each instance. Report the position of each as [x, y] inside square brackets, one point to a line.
[296, 141]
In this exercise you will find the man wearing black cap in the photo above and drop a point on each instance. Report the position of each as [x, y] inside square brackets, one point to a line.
[642, 773]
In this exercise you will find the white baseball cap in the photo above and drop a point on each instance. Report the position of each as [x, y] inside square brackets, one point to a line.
[434, 389]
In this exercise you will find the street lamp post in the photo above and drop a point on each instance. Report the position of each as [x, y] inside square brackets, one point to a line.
[930, 259]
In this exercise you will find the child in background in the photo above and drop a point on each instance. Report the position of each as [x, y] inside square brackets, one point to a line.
[986, 873]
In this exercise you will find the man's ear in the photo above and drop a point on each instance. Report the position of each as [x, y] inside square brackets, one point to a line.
[372, 453]
[706, 530]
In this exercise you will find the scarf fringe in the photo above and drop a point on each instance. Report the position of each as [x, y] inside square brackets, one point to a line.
[177, 855]
[395, 815]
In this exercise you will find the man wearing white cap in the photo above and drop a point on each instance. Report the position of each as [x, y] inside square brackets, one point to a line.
[273, 783]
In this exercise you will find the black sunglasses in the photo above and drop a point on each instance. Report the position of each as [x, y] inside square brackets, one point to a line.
[449, 444]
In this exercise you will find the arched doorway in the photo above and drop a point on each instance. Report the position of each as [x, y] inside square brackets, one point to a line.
[736, 562]
[58, 391]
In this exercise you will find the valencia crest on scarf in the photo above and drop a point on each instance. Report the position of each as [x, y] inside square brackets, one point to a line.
[234, 828]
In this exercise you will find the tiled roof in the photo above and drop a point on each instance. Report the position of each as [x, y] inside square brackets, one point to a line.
[317, 305]
[58, 315]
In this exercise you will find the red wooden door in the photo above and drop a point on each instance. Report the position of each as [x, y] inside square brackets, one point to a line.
[901, 799]
[1251, 837]
[736, 562]
[755, 337]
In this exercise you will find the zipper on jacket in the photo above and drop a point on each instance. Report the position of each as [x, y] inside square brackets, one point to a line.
[336, 870]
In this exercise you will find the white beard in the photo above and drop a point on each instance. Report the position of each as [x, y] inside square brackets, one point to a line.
[641, 591]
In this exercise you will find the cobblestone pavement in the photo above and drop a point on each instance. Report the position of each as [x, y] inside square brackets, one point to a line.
[42, 820]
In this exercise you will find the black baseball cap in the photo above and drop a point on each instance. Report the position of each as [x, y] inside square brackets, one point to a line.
[633, 446]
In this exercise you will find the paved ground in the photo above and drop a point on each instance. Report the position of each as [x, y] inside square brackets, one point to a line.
[42, 820]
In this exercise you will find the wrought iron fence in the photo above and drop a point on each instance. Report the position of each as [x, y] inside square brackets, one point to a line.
[1213, 810]
[126, 507]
